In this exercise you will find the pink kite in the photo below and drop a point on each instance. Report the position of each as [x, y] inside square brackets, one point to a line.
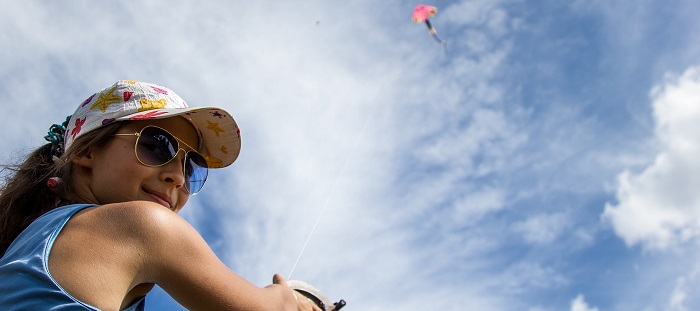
[421, 14]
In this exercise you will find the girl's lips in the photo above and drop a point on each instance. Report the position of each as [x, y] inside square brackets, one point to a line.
[160, 198]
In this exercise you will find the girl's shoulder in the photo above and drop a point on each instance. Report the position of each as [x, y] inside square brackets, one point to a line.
[137, 219]
[105, 249]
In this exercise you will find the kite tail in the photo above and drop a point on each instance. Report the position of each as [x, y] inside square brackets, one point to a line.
[438, 39]
[433, 33]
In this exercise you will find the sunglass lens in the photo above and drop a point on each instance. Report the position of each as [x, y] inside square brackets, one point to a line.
[196, 171]
[155, 146]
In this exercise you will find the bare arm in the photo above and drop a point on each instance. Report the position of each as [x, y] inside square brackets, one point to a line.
[178, 259]
[107, 256]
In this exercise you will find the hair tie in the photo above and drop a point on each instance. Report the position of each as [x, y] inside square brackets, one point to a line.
[56, 136]
[55, 184]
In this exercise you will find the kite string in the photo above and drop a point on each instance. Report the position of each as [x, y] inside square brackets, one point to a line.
[337, 180]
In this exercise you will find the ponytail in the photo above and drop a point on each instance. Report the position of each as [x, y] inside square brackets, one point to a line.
[25, 195]
[42, 183]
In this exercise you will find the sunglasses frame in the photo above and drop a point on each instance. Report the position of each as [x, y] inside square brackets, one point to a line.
[179, 141]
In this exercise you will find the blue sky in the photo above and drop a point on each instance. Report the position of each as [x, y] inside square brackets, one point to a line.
[546, 162]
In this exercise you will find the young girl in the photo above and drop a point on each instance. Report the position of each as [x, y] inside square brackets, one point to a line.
[89, 221]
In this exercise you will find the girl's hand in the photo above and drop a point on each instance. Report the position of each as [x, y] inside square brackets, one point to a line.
[303, 303]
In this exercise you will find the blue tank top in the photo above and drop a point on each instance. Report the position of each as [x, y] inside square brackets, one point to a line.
[25, 281]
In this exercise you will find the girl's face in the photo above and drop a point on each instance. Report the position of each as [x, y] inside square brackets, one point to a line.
[113, 174]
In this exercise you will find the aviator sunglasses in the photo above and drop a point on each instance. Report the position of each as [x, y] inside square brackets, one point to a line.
[157, 147]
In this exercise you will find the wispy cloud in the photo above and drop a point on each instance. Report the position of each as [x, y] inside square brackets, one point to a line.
[473, 179]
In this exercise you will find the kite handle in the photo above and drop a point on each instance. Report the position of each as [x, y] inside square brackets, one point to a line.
[315, 295]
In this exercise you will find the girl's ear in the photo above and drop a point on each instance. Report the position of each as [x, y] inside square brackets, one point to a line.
[85, 158]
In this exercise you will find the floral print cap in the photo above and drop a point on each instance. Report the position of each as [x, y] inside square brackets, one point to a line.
[220, 138]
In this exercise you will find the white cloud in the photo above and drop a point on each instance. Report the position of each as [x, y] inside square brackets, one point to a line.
[579, 304]
[679, 296]
[686, 291]
[660, 206]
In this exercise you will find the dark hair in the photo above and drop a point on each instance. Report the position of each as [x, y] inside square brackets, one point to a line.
[25, 196]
